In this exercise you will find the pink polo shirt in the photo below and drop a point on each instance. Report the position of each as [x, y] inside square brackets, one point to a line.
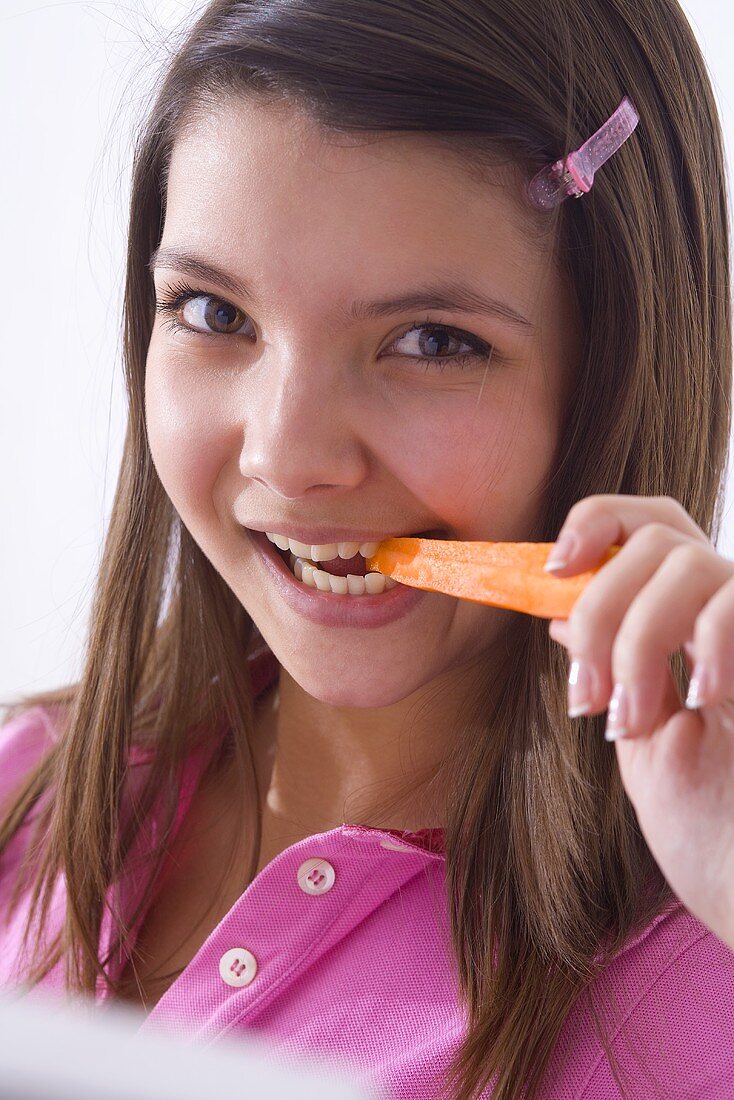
[340, 950]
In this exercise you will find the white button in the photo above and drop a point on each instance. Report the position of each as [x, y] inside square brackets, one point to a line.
[394, 846]
[238, 966]
[316, 876]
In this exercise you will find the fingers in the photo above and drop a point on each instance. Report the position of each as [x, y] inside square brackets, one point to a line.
[713, 643]
[660, 591]
[671, 701]
[598, 522]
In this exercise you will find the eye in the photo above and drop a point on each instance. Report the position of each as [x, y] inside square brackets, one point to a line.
[217, 316]
[435, 339]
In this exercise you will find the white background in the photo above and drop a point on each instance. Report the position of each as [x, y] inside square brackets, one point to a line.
[75, 75]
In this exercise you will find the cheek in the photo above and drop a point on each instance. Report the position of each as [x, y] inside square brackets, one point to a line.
[479, 464]
[185, 434]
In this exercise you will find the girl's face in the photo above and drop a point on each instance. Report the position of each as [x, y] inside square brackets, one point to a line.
[288, 404]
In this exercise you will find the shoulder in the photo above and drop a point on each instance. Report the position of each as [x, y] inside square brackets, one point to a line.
[667, 1002]
[24, 740]
[677, 949]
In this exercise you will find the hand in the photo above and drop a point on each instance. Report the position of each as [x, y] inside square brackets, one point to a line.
[666, 589]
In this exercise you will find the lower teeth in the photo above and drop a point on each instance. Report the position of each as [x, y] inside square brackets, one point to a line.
[372, 584]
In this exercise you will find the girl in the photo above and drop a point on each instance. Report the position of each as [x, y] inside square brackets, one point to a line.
[362, 823]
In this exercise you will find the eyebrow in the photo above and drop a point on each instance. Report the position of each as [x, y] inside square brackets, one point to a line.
[446, 294]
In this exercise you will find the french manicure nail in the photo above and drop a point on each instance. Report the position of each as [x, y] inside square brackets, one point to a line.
[579, 689]
[561, 553]
[697, 687]
[617, 714]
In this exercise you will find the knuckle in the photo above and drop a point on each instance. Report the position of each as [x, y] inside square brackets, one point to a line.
[586, 508]
[651, 535]
[715, 627]
[674, 507]
[687, 556]
[586, 624]
[724, 598]
[628, 648]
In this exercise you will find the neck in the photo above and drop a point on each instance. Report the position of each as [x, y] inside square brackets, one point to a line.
[327, 765]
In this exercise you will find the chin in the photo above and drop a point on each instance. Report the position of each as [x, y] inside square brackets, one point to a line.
[357, 690]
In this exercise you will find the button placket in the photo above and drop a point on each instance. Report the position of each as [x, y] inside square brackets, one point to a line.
[366, 881]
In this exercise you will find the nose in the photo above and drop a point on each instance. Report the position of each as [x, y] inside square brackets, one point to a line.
[301, 431]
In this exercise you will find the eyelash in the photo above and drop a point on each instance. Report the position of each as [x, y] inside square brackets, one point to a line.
[182, 293]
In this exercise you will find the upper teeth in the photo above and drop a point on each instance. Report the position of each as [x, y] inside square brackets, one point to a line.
[324, 551]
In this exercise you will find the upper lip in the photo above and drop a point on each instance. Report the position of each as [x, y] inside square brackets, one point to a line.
[314, 536]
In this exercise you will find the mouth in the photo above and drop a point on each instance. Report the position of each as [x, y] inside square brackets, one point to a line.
[358, 599]
[354, 566]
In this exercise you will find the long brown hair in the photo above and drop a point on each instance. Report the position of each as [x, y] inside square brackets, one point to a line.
[548, 874]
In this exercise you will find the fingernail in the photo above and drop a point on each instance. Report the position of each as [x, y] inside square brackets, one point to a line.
[697, 687]
[579, 689]
[617, 714]
[561, 553]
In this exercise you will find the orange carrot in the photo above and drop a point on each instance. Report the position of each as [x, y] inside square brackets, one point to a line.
[504, 574]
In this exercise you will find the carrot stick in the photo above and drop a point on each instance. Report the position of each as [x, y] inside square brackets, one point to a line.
[504, 574]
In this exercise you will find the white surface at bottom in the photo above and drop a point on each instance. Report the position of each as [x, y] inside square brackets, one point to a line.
[67, 1051]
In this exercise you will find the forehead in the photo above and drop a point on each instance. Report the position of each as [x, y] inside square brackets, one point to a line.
[259, 157]
[322, 219]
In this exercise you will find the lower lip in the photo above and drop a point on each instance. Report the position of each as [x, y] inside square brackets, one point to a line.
[328, 608]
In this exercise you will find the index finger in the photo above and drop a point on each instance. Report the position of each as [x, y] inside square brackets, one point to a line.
[596, 522]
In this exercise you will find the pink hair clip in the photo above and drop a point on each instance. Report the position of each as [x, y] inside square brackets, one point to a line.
[556, 181]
